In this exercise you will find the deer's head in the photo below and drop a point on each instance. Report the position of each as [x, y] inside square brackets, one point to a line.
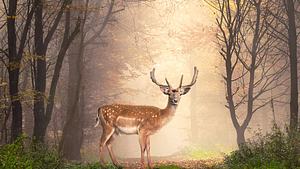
[175, 93]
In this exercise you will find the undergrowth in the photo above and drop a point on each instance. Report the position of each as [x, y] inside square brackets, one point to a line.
[275, 150]
[25, 154]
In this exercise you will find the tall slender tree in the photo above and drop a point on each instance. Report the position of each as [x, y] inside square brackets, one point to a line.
[71, 141]
[292, 44]
[15, 54]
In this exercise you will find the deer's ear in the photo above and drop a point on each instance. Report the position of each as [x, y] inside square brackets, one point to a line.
[184, 90]
[165, 90]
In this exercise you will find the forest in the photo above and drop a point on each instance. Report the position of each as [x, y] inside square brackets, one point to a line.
[209, 84]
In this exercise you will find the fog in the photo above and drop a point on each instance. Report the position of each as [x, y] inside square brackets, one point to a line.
[171, 36]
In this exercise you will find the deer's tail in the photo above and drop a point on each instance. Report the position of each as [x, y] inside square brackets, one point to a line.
[98, 117]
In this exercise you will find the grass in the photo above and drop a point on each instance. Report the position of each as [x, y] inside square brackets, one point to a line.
[196, 152]
[199, 154]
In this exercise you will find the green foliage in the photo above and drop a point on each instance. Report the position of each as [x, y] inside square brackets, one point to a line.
[34, 155]
[275, 150]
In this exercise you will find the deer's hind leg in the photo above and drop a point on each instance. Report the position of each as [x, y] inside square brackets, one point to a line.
[107, 133]
[111, 153]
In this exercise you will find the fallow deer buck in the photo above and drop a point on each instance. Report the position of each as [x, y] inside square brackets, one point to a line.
[144, 121]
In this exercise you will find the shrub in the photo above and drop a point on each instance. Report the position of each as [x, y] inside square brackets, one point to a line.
[22, 156]
[275, 150]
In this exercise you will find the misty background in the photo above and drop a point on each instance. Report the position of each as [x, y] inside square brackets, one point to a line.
[123, 41]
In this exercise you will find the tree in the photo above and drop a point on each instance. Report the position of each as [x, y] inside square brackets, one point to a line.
[42, 108]
[286, 32]
[15, 55]
[72, 137]
[253, 69]
[292, 44]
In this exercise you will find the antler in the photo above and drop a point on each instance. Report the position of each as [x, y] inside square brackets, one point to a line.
[196, 71]
[152, 76]
[180, 84]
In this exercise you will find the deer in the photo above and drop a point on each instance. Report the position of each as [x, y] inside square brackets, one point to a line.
[144, 121]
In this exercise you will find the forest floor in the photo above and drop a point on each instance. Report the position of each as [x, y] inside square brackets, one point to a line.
[176, 162]
[189, 158]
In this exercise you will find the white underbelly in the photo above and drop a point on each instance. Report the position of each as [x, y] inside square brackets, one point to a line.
[128, 130]
[127, 125]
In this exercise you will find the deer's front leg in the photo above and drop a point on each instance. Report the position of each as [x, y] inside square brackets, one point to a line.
[148, 152]
[142, 141]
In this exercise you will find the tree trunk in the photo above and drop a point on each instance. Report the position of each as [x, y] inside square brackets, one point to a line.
[40, 76]
[72, 137]
[292, 40]
[73, 130]
[14, 72]
[240, 137]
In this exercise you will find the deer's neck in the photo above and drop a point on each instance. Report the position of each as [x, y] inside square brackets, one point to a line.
[170, 109]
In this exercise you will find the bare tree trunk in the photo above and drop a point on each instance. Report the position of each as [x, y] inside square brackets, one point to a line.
[40, 76]
[73, 130]
[14, 72]
[239, 131]
[14, 57]
[292, 42]
[72, 137]
[240, 137]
